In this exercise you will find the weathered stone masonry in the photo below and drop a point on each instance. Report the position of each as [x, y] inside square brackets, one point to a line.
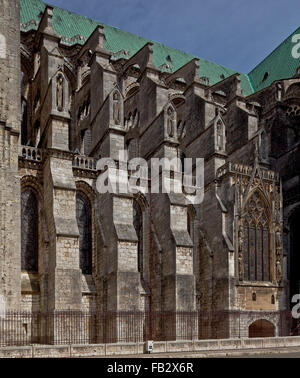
[113, 252]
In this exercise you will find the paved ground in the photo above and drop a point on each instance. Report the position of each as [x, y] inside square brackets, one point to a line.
[282, 354]
[250, 353]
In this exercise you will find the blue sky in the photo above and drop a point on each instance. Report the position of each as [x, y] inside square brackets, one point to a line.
[238, 34]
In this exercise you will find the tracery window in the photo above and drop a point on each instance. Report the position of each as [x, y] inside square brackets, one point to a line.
[29, 231]
[83, 215]
[256, 247]
[138, 225]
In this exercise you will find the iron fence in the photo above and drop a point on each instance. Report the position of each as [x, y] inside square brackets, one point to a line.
[78, 327]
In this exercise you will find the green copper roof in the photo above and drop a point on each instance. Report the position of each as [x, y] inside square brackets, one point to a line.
[280, 64]
[74, 28]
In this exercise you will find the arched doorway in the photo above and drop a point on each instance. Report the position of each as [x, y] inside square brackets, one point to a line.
[262, 328]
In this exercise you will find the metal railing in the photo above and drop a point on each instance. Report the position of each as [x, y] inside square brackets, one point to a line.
[79, 327]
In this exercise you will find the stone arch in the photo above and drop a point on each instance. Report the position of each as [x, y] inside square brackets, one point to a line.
[262, 328]
[177, 99]
[86, 190]
[33, 183]
[132, 89]
[292, 210]
[259, 190]
[70, 75]
[132, 67]
[142, 201]
[293, 91]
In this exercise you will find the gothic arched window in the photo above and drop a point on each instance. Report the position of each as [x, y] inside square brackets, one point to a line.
[29, 231]
[256, 247]
[138, 225]
[83, 215]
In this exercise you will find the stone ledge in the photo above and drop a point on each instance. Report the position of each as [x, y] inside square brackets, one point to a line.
[49, 351]
[121, 349]
[16, 352]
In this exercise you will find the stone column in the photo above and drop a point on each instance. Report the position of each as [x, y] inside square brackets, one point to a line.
[10, 115]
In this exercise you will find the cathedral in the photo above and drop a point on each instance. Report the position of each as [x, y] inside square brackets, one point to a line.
[73, 91]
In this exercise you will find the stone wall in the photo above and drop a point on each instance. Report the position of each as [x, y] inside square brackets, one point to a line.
[10, 115]
[85, 101]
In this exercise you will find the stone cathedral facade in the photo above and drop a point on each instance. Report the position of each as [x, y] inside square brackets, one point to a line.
[73, 91]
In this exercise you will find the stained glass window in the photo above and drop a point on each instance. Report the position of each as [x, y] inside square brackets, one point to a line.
[83, 216]
[256, 240]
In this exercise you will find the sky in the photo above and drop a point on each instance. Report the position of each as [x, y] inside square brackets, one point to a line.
[237, 34]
